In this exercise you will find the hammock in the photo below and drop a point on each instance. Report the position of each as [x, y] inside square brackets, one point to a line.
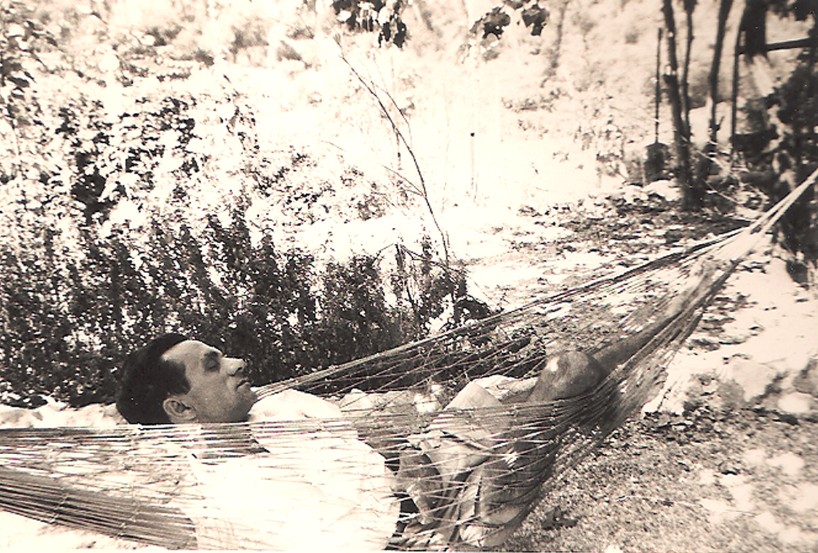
[439, 426]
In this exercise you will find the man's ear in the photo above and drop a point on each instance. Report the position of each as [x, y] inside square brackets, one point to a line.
[179, 410]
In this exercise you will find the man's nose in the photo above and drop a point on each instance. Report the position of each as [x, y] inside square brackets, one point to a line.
[233, 365]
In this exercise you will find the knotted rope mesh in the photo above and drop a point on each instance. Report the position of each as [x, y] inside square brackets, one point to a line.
[467, 462]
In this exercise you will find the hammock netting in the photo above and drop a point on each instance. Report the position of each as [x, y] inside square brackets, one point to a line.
[431, 445]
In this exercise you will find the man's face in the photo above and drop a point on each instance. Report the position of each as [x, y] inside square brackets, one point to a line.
[219, 390]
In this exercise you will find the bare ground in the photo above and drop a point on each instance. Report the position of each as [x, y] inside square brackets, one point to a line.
[701, 481]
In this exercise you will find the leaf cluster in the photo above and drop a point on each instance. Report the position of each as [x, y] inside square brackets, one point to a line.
[377, 16]
[67, 322]
[784, 153]
[533, 16]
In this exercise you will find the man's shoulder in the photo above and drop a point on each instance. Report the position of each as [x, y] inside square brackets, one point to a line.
[293, 405]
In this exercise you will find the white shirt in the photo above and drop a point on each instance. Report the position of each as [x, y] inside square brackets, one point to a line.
[318, 487]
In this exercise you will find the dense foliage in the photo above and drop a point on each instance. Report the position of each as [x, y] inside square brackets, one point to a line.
[142, 199]
[782, 149]
[385, 19]
[68, 321]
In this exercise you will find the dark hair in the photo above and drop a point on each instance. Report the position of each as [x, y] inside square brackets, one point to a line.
[147, 381]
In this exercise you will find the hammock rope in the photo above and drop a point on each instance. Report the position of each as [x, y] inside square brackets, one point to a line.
[473, 471]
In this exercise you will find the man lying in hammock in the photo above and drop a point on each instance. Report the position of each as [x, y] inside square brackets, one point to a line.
[471, 480]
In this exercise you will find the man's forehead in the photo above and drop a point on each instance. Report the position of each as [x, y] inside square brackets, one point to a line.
[189, 350]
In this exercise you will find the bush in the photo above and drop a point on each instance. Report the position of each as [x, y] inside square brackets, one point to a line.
[67, 323]
[780, 156]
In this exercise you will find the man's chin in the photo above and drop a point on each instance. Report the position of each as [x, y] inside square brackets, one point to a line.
[245, 388]
[248, 393]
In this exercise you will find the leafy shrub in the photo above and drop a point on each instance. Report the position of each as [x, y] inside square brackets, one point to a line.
[797, 157]
[68, 323]
[785, 153]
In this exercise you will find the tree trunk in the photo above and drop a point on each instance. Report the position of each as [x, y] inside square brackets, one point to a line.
[705, 162]
[734, 95]
[689, 5]
[692, 199]
[556, 47]
[715, 67]
[658, 90]
[754, 25]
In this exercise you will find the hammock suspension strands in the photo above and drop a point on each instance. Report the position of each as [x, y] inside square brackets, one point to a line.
[441, 424]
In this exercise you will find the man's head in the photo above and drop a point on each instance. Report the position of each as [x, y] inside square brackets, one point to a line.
[176, 380]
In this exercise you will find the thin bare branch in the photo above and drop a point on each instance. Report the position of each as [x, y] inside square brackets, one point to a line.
[402, 138]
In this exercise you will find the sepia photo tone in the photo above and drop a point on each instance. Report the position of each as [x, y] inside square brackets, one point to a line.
[501, 275]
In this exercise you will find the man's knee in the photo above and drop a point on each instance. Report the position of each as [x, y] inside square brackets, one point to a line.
[567, 374]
